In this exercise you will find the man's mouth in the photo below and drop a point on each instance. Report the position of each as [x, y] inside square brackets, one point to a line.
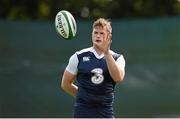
[98, 41]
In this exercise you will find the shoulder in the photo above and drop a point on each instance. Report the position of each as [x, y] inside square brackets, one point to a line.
[116, 55]
[85, 50]
[119, 59]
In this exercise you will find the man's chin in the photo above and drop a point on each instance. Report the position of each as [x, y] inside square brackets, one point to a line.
[98, 45]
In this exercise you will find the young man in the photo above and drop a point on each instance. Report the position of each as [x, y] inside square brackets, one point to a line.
[97, 69]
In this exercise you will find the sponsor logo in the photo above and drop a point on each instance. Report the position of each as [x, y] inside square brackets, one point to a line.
[86, 59]
[98, 77]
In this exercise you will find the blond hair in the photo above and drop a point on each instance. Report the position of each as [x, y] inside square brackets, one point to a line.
[104, 23]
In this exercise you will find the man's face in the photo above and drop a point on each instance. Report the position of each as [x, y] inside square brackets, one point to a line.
[98, 35]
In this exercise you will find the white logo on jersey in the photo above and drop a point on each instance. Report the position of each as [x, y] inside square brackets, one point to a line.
[85, 59]
[98, 76]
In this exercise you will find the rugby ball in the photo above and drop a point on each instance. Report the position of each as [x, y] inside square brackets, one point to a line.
[65, 24]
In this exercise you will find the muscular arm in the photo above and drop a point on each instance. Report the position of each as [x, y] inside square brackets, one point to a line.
[116, 72]
[69, 76]
[67, 83]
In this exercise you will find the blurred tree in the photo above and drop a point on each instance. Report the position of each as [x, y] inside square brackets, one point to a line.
[85, 9]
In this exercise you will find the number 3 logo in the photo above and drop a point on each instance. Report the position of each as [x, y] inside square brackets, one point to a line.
[98, 77]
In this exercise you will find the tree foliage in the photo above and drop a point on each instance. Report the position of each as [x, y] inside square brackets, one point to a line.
[85, 9]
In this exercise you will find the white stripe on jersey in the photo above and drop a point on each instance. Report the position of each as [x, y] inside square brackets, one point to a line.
[91, 49]
[84, 50]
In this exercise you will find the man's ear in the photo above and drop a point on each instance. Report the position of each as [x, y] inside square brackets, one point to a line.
[110, 35]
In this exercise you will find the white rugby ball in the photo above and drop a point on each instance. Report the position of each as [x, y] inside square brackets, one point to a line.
[65, 24]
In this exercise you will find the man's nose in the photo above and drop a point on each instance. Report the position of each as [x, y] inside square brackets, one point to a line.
[98, 34]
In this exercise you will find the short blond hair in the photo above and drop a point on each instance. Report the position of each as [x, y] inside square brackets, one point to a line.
[104, 23]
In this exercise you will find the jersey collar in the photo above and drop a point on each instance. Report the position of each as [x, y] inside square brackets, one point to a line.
[96, 54]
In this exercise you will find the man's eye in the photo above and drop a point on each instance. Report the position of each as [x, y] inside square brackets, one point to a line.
[95, 32]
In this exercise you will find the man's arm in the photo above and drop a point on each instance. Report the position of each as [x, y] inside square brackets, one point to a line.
[69, 76]
[67, 83]
[116, 72]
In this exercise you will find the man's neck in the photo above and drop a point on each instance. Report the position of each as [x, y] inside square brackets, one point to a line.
[99, 52]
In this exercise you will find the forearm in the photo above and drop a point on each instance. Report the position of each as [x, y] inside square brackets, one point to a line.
[116, 73]
[67, 83]
[71, 89]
